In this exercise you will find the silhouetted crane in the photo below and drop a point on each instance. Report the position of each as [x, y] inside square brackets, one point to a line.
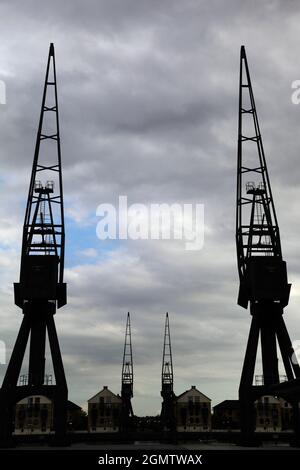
[262, 271]
[167, 393]
[41, 288]
[127, 379]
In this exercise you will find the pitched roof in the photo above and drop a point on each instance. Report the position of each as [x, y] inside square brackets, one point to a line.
[72, 406]
[192, 388]
[104, 389]
[228, 404]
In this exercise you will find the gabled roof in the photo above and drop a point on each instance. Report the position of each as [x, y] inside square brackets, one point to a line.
[194, 389]
[72, 406]
[228, 404]
[105, 389]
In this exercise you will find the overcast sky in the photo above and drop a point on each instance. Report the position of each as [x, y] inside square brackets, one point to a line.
[148, 98]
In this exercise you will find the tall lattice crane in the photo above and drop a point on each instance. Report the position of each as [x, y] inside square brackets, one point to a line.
[262, 271]
[40, 290]
[167, 382]
[127, 378]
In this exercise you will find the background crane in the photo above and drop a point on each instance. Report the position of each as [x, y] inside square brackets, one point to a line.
[167, 393]
[127, 379]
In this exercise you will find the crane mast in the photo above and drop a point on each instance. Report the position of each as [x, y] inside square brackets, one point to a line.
[167, 382]
[262, 270]
[127, 379]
